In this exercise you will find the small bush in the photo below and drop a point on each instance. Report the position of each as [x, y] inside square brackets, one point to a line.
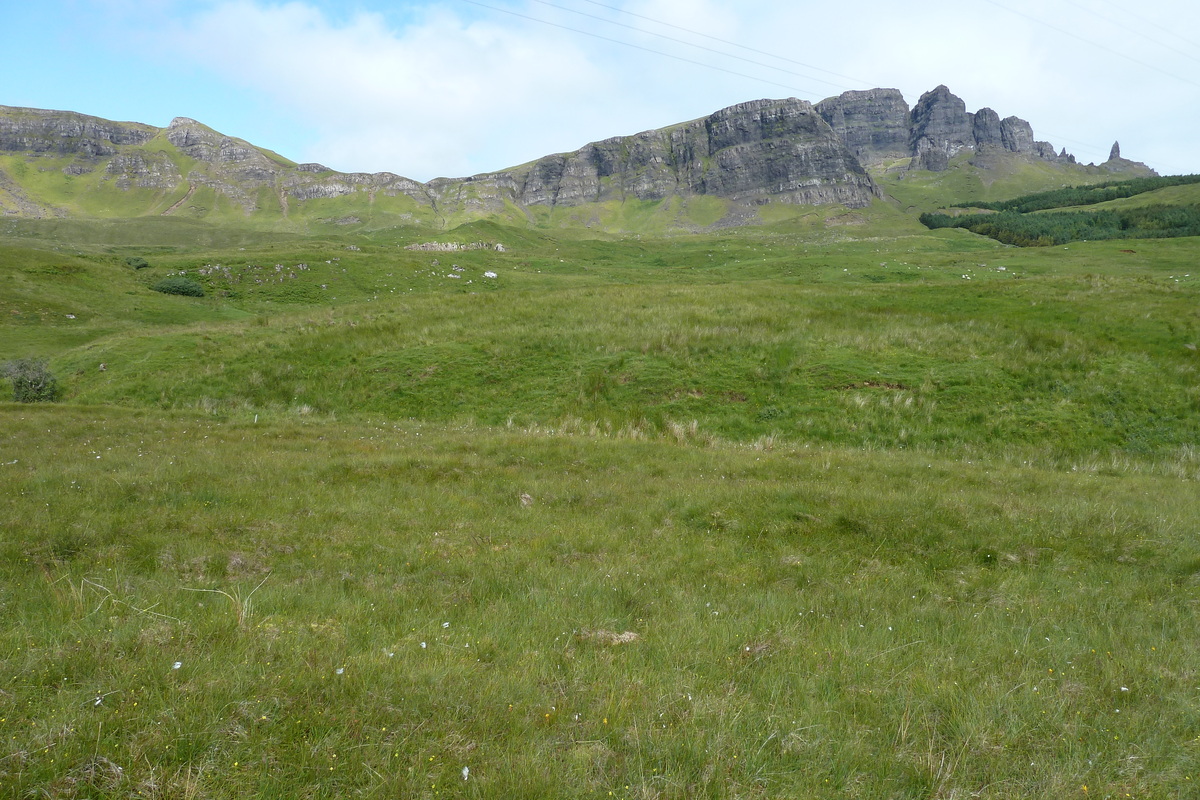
[32, 380]
[769, 413]
[137, 262]
[179, 285]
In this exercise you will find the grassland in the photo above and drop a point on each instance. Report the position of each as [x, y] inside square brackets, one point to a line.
[834, 507]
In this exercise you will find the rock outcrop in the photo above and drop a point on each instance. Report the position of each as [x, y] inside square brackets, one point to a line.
[146, 170]
[942, 128]
[66, 133]
[874, 124]
[878, 127]
[1123, 166]
[1016, 136]
[766, 151]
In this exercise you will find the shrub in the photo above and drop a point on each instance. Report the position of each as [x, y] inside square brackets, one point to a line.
[179, 285]
[137, 262]
[32, 380]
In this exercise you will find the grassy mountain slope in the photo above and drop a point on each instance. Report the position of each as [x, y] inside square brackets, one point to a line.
[872, 342]
[963, 182]
[1171, 196]
[59, 164]
[832, 505]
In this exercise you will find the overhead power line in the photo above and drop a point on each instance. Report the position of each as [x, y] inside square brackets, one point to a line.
[643, 49]
[1125, 27]
[748, 49]
[1076, 36]
[689, 44]
[784, 59]
[1154, 24]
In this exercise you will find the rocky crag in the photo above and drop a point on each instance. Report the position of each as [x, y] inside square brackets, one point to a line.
[753, 153]
[767, 151]
[879, 127]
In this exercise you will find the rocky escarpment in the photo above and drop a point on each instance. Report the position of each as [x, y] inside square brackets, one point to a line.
[878, 126]
[240, 171]
[775, 150]
[65, 133]
[942, 128]
[874, 124]
[145, 170]
[753, 153]
[764, 151]
[182, 157]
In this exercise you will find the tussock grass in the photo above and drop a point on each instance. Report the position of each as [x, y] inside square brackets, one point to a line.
[935, 363]
[659, 619]
[794, 512]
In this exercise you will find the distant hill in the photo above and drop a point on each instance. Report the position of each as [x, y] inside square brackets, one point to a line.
[717, 171]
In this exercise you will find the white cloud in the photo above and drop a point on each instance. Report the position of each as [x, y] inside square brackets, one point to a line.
[427, 100]
[1081, 79]
[455, 90]
[713, 19]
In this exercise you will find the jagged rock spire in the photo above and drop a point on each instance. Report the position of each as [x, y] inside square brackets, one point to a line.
[1115, 153]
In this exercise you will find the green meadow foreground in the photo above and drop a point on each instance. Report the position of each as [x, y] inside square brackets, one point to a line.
[773, 513]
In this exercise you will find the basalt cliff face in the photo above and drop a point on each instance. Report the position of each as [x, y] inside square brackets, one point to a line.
[878, 126]
[874, 124]
[748, 155]
[59, 132]
[753, 153]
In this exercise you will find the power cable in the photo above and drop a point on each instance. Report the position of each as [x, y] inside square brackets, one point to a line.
[1090, 42]
[1123, 27]
[856, 81]
[800, 63]
[1154, 24]
[639, 47]
[691, 44]
[1056, 137]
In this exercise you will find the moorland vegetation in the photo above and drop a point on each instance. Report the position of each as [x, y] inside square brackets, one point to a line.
[835, 505]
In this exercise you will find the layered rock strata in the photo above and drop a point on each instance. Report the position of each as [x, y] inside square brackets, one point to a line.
[781, 151]
[878, 127]
[874, 124]
[768, 150]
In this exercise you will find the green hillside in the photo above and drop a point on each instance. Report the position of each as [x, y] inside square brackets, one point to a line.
[1170, 196]
[965, 184]
[832, 505]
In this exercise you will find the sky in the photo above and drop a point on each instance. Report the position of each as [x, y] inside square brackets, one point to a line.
[460, 87]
